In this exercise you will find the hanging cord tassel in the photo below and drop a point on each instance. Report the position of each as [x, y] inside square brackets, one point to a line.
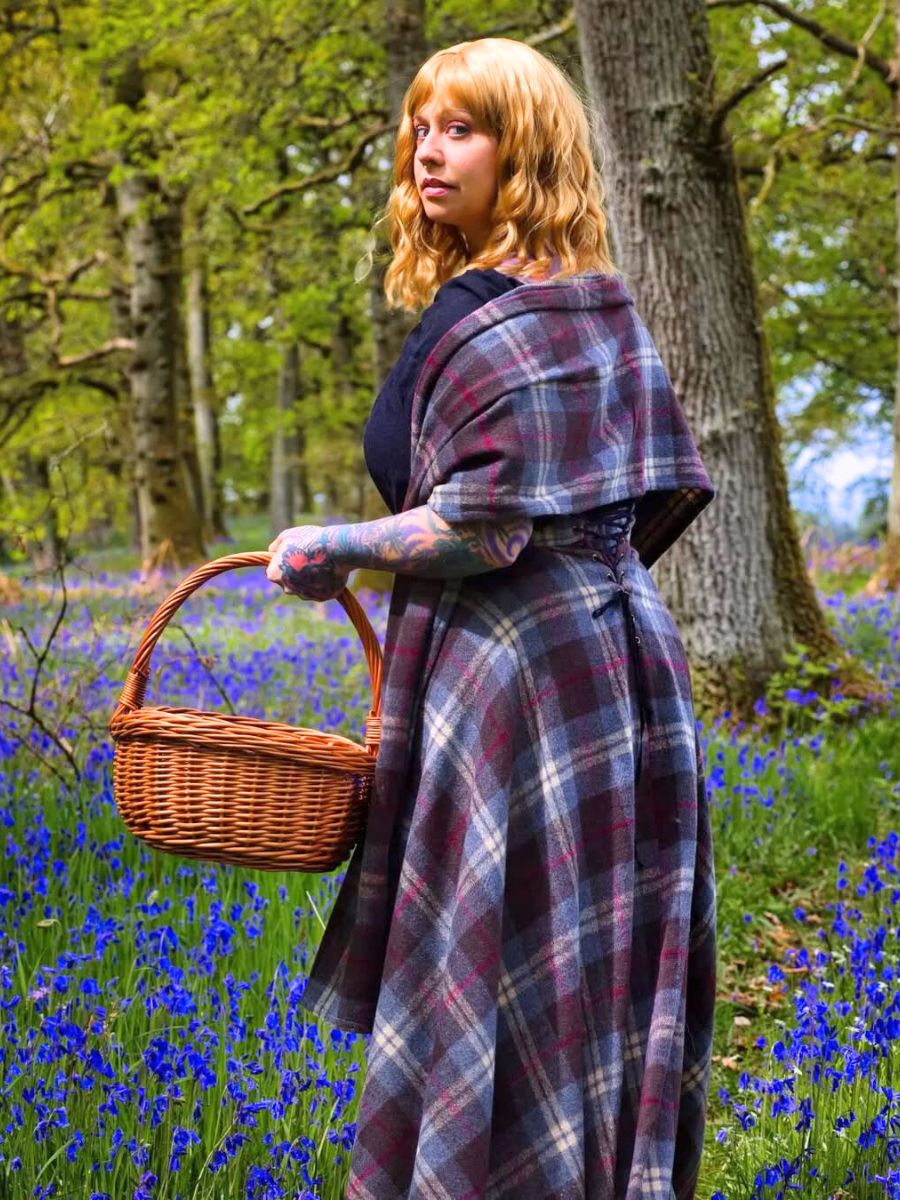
[623, 593]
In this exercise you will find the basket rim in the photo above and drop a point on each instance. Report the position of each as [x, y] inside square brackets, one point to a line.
[131, 699]
[139, 722]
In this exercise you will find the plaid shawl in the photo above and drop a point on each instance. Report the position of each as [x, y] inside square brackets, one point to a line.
[553, 399]
[497, 690]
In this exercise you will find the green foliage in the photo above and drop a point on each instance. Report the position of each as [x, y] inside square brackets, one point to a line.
[244, 102]
[817, 179]
[801, 696]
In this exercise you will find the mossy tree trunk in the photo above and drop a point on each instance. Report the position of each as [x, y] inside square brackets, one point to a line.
[405, 48]
[151, 219]
[736, 582]
[890, 573]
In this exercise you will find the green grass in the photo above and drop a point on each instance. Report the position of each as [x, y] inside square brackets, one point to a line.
[829, 798]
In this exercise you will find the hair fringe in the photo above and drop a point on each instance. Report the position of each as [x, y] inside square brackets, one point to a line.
[550, 196]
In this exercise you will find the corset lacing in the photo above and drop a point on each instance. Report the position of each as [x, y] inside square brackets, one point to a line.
[605, 534]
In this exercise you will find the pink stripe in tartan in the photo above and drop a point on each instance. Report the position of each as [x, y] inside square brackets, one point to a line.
[476, 973]
[391, 1149]
[604, 668]
[554, 1048]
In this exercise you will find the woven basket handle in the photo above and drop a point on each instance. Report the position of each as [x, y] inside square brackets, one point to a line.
[132, 696]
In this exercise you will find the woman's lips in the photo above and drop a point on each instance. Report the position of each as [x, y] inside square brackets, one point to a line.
[436, 189]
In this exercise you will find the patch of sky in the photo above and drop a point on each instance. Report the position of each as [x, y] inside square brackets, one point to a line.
[231, 413]
[762, 30]
[803, 287]
[838, 485]
[833, 480]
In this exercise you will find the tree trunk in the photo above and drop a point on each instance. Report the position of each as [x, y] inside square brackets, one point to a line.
[890, 573]
[120, 320]
[170, 525]
[206, 420]
[304, 494]
[187, 438]
[736, 581]
[50, 552]
[282, 497]
[405, 49]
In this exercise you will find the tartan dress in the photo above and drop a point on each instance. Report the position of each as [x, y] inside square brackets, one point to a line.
[527, 927]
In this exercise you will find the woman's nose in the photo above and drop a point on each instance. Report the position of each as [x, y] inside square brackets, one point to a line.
[428, 150]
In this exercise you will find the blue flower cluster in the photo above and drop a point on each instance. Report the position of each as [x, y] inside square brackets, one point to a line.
[153, 1038]
[830, 1103]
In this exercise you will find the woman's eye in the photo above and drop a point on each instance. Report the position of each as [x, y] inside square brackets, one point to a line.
[417, 129]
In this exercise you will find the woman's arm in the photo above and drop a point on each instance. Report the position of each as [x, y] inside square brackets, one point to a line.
[315, 561]
[419, 542]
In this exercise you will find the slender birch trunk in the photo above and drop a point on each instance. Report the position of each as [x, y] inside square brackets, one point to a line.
[203, 397]
[282, 498]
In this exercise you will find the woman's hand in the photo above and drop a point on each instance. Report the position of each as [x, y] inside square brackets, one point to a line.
[303, 563]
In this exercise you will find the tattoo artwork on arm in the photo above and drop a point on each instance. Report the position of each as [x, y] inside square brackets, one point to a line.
[315, 561]
[420, 542]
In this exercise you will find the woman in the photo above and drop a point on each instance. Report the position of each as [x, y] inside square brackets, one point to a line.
[528, 926]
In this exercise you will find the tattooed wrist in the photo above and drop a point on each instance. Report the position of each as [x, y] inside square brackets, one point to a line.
[419, 542]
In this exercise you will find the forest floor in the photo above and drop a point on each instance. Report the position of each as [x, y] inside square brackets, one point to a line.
[154, 1039]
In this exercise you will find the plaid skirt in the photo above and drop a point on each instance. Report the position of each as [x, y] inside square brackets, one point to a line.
[544, 1019]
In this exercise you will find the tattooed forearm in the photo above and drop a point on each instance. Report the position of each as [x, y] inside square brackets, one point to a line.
[419, 542]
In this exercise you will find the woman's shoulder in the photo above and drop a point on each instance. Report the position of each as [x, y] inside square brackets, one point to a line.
[454, 299]
[463, 294]
[480, 282]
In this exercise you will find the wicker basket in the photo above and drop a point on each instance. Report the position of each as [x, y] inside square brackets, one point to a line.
[237, 789]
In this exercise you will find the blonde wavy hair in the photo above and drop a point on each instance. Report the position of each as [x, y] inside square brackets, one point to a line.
[549, 195]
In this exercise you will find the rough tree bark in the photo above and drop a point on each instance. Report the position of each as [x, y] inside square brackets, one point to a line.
[890, 574]
[405, 47]
[736, 581]
[151, 221]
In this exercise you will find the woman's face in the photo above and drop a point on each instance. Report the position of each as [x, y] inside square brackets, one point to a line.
[451, 148]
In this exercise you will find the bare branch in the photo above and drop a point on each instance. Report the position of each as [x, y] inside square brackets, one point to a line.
[113, 346]
[205, 662]
[721, 111]
[33, 749]
[834, 41]
[31, 711]
[328, 175]
[552, 31]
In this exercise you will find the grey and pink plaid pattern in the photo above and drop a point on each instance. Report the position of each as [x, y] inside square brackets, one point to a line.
[529, 935]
